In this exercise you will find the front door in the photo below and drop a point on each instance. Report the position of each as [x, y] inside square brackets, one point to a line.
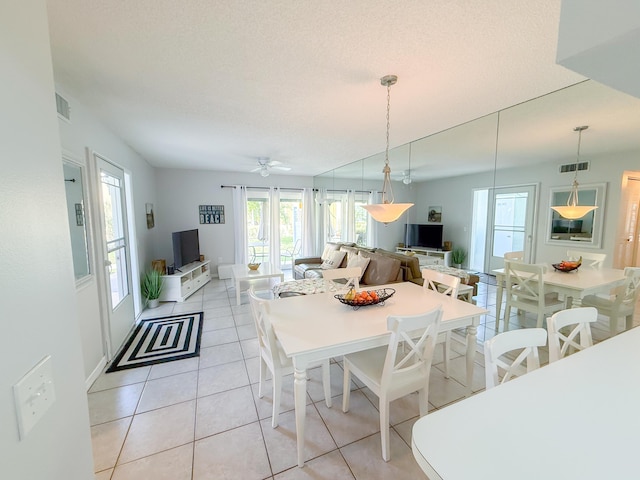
[115, 254]
[511, 225]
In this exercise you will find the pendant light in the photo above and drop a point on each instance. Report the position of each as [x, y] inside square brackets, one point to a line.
[572, 210]
[387, 211]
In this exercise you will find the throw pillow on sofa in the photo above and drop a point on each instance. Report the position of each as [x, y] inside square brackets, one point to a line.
[358, 261]
[333, 260]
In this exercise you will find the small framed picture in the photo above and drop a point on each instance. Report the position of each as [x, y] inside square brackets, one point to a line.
[435, 215]
[150, 219]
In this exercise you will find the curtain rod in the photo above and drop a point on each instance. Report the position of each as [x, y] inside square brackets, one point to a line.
[265, 188]
[297, 189]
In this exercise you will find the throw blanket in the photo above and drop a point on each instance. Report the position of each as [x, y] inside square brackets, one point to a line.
[456, 272]
[308, 286]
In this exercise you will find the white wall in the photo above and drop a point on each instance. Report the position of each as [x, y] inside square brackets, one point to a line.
[36, 279]
[180, 192]
[87, 131]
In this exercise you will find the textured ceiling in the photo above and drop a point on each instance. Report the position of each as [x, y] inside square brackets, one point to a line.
[214, 85]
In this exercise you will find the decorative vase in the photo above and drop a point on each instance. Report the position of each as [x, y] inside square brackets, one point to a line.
[153, 303]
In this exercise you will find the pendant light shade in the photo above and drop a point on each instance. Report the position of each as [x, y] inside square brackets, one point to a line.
[387, 211]
[572, 210]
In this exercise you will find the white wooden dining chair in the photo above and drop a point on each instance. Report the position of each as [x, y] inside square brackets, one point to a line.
[526, 291]
[621, 303]
[392, 372]
[446, 285]
[589, 259]
[527, 340]
[273, 358]
[517, 256]
[580, 320]
[350, 274]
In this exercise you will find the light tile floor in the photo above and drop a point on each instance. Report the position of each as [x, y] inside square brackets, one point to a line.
[201, 418]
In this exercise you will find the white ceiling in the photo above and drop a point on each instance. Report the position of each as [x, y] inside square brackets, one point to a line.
[212, 85]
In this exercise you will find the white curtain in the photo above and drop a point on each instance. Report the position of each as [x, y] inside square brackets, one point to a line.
[372, 225]
[348, 217]
[308, 223]
[240, 223]
[321, 221]
[274, 227]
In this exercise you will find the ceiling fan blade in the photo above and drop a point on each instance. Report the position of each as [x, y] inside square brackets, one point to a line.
[277, 167]
[257, 169]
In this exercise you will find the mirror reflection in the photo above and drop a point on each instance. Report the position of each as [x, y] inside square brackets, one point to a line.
[73, 183]
[585, 231]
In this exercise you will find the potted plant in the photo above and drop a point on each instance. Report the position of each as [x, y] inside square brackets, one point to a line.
[151, 286]
[458, 256]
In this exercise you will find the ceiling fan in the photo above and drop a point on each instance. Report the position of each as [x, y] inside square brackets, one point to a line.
[264, 164]
[405, 178]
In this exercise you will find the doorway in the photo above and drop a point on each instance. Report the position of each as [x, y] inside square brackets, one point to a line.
[627, 248]
[114, 252]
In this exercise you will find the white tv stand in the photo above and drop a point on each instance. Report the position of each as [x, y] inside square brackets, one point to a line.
[428, 256]
[181, 285]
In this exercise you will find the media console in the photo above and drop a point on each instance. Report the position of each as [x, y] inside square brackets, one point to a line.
[427, 256]
[181, 285]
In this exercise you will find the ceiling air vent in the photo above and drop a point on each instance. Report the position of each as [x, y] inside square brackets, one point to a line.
[62, 106]
[571, 167]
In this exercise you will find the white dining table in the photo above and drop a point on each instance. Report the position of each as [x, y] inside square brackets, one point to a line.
[317, 327]
[576, 284]
[577, 418]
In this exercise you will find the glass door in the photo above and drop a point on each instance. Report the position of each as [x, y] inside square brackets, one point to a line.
[512, 223]
[115, 250]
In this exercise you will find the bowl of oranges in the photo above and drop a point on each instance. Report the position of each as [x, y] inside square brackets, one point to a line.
[365, 297]
[567, 265]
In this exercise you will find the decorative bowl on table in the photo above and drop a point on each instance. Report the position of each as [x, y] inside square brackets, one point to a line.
[253, 266]
[365, 297]
[567, 265]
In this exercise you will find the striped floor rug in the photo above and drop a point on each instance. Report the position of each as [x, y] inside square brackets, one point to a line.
[159, 340]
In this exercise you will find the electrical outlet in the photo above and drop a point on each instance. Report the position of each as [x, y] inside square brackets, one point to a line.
[34, 394]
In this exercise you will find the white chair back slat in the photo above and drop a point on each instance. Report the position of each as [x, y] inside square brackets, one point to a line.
[527, 339]
[441, 282]
[350, 274]
[579, 320]
[589, 259]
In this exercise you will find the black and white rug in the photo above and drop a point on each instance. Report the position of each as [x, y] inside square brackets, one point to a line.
[159, 340]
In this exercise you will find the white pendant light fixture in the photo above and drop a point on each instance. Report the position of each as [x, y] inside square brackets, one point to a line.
[387, 211]
[572, 210]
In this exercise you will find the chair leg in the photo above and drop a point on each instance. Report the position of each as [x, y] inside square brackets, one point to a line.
[384, 429]
[613, 325]
[346, 390]
[277, 392]
[629, 322]
[540, 319]
[507, 315]
[263, 376]
[423, 401]
[446, 347]
[326, 382]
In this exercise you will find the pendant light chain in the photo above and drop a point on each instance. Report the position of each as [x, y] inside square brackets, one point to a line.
[387, 189]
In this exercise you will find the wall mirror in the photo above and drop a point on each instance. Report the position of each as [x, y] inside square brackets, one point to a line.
[74, 186]
[583, 232]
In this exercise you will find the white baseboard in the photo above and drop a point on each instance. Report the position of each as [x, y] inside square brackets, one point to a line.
[96, 373]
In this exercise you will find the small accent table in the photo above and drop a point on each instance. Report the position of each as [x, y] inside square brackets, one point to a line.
[241, 273]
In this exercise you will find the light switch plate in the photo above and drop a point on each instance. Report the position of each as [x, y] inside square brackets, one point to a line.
[34, 394]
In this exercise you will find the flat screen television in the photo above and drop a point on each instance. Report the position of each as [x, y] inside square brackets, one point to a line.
[423, 235]
[186, 247]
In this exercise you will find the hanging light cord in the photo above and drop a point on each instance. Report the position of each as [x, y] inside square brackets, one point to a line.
[572, 201]
[386, 184]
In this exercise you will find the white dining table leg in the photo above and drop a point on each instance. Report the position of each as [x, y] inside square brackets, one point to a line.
[472, 331]
[237, 292]
[300, 398]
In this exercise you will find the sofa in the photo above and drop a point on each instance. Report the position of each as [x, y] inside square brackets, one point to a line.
[383, 268]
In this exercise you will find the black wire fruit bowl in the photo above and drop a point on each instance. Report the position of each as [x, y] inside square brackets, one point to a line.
[365, 297]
